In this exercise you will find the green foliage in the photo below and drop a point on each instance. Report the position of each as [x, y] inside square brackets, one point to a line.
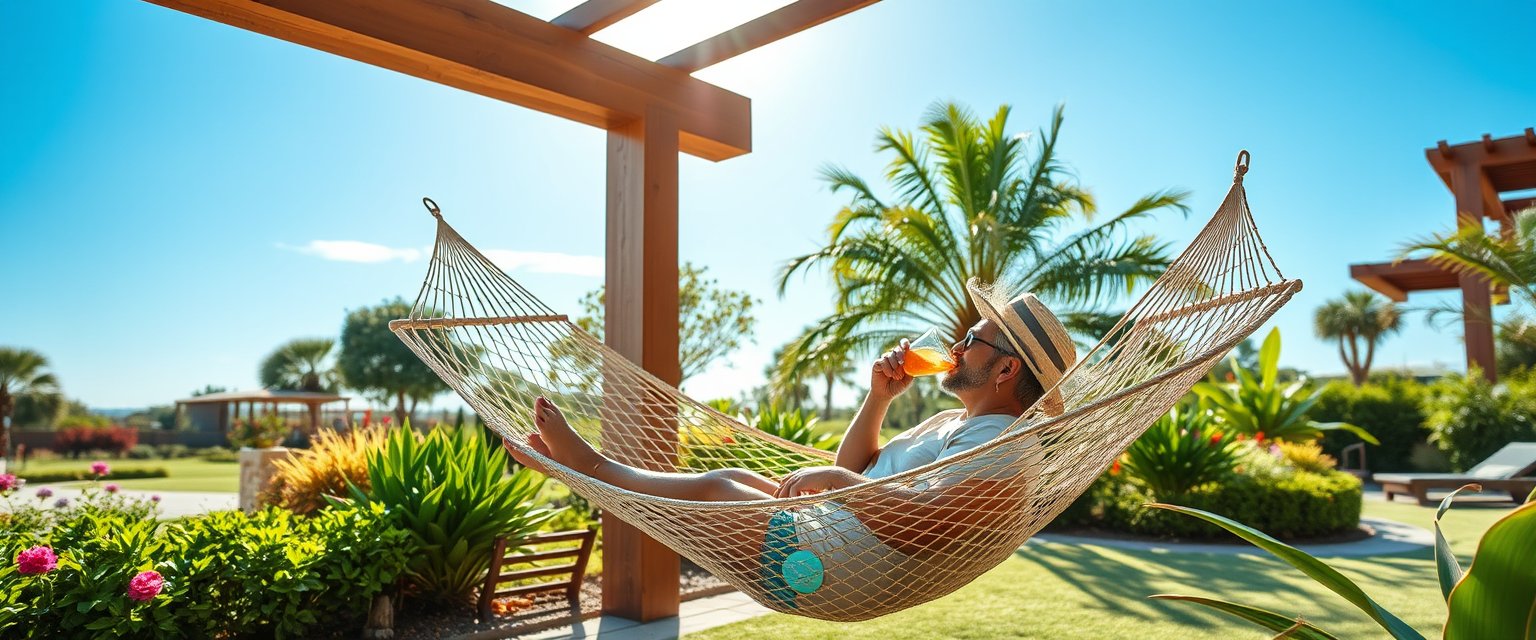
[452, 496]
[24, 374]
[1181, 451]
[798, 426]
[1291, 505]
[1390, 408]
[1254, 405]
[968, 198]
[266, 430]
[1492, 599]
[713, 321]
[374, 361]
[300, 365]
[1359, 317]
[67, 475]
[1470, 419]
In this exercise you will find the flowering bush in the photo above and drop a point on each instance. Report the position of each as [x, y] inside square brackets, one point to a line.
[76, 441]
[261, 433]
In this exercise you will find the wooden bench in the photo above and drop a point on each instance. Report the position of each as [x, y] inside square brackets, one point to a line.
[577, 568]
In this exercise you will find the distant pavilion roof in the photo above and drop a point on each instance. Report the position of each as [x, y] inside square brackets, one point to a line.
[265, 395]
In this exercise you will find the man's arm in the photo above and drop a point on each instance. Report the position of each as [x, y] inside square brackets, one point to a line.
[886, 381]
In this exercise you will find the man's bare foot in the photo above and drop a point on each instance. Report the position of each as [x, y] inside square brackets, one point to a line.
[558, 441]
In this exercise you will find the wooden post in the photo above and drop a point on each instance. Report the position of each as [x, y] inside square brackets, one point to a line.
[640, 575]
[1476, 298]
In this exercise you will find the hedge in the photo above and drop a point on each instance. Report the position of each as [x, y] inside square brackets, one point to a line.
[1390, 408]
[41, 477]
[1294, 505]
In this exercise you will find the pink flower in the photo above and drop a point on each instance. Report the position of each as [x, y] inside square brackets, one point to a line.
[61, 503]
[100, 468]
[145, 586]
[44, 493]
[154, 498]
[111, 488]
[9, 482]
[36, 560]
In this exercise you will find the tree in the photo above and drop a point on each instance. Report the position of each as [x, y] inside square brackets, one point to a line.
[970, 201]
[374, 361]
[1357, 317]
[300, 365]
[713, 321]
[1506, 259]
[23, 374]
[834, 366]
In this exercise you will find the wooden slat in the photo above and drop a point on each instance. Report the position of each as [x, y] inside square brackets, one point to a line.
[560, 536]
[770, 27]
[532, 588]
[593, 16]
[446, 323]
[536, 573]
[542, 555]
[485, 48]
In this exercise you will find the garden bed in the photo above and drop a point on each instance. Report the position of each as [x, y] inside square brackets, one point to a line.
[420, 621]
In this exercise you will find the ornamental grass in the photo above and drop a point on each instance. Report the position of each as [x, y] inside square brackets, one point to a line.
[333, 459]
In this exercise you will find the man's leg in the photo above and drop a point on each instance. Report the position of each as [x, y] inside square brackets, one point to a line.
[557, 440]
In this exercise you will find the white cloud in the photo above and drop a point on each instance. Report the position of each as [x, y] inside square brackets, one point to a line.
[546, 262]
[354, 251]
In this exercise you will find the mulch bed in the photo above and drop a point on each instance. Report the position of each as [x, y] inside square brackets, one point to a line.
[1354, 535]
[419, 620]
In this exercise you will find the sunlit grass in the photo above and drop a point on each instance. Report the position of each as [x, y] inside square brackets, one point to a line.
[187, 474]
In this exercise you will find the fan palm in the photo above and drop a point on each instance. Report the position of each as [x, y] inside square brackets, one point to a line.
[1359, 316]
[300, 365]
[970, 201]
[23, 374]
[1506, 260]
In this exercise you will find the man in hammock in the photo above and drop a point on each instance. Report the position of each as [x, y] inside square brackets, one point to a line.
[1004, 365]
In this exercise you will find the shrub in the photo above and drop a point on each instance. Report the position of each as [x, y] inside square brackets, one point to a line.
[1307, 456]
[260, 433]
[141, 452]
[1181, 451]
[218, 454]
[796, 426]
[1470, 419]
[1390, 408]
[1299, 504]
[451, 493]
[80, 440]
[173, 451]
[324, 469]
[1258, 405]
[68, 475]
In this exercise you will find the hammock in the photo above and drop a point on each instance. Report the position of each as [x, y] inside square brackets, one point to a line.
[864, 551]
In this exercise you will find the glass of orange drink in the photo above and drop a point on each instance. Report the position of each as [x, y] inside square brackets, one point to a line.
[928, 355]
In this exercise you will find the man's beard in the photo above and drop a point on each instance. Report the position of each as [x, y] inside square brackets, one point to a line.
[968, 377]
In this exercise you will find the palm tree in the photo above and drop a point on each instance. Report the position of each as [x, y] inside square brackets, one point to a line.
[969, 201]
[1359, 316]
[23, 374]
[300, 365]
[835, 366]
[1506, 260]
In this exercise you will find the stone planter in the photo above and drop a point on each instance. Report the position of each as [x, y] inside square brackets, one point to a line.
[256, 469]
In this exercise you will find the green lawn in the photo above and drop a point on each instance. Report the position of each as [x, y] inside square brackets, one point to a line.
[1089, 592]
[187, 474]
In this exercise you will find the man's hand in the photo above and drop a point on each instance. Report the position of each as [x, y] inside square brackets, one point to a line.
[817, 480]
[887, 378]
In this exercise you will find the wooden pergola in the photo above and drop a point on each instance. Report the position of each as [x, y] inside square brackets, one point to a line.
[651, 110]
[1476, 173]
[268, 401]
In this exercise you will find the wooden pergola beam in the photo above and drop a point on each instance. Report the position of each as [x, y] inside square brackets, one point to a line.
[485, 48]
[593, 16]
[770, 27]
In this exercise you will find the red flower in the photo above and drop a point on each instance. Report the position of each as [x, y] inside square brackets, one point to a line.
[36, 560]
[8, 482]
[1114, 469]
[145, 586]
[1216, 438]
[1230, 377]
[1259, 436]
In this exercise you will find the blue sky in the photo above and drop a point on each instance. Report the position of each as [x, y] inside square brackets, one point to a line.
[177, 197]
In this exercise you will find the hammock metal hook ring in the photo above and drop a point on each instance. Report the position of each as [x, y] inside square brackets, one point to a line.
[432, 208]
[1243, 157]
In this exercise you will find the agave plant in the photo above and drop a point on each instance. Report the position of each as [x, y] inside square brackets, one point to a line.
[1181, 451]
[1493, 598]
[1262, 407]
[796, 426]
[453, 496]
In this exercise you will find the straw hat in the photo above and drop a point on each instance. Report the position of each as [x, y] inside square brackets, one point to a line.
[1034, 332]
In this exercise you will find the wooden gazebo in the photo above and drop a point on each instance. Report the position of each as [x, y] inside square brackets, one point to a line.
[1476, 173]
[651, 110]
[227, 404]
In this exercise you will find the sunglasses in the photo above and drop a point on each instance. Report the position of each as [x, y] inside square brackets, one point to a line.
[970, 337]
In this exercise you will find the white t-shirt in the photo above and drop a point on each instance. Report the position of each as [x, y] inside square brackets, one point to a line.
[946, 434]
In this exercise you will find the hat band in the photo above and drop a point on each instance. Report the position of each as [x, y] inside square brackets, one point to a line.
[1021, 308]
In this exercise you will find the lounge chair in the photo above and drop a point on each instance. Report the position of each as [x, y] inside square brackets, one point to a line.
[1505, 470]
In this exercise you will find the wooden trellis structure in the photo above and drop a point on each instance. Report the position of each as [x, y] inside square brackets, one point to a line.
[651, 110]
[1476, 173]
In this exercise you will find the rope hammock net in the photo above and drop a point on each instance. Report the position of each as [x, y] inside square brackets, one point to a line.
[864, 551]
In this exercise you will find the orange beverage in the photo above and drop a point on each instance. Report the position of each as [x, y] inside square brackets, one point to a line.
[925, 361]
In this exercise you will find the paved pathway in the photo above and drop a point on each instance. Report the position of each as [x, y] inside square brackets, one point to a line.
[173, 504]
[693, 615]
